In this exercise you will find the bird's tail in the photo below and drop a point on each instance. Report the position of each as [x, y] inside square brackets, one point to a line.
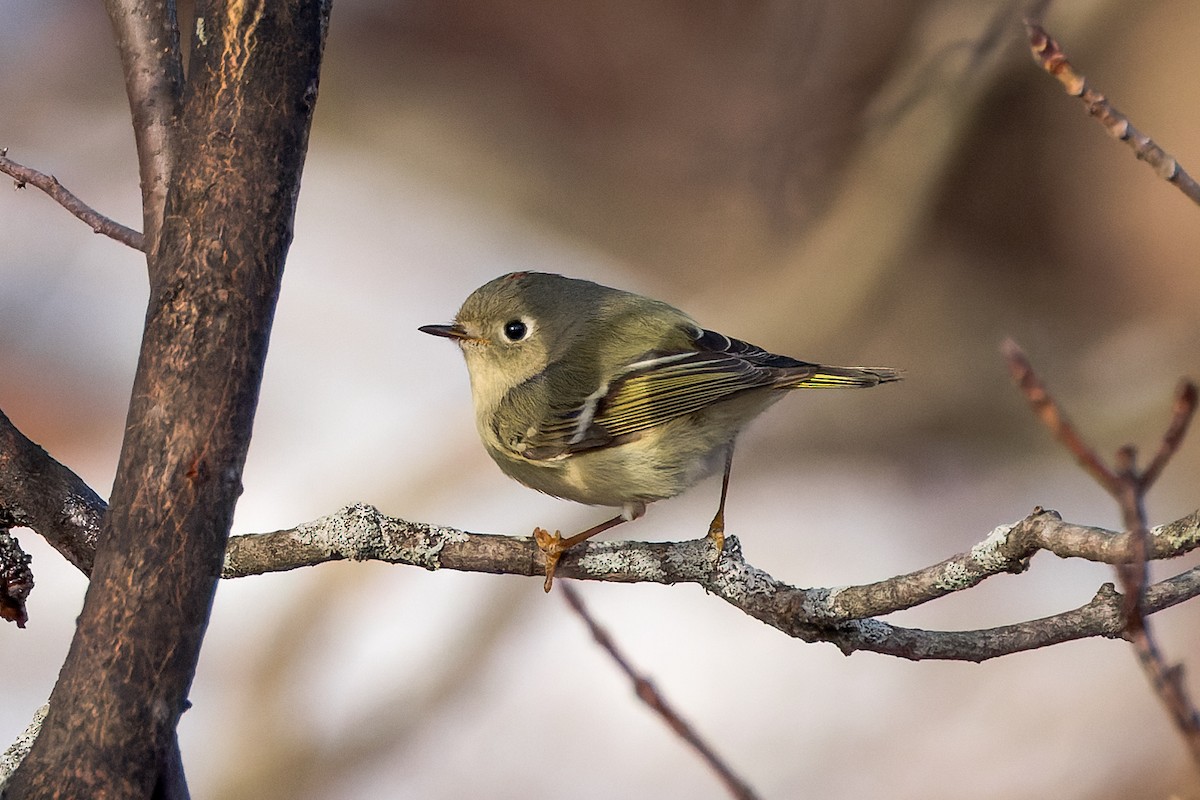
[823, 377]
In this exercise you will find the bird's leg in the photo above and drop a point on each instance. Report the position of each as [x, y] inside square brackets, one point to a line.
[716, 528]
[553, 545]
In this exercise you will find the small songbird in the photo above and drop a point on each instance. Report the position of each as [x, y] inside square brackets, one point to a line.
[609, 398]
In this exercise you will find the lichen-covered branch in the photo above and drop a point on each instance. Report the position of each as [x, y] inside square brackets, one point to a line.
[843, 616]
[15, 753]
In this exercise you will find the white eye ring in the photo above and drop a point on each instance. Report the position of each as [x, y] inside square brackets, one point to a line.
[517, 330]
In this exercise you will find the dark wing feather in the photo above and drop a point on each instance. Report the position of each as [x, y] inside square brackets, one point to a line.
[663, 386]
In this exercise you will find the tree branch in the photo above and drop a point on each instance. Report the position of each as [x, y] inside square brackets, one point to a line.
[147, 36]
[15, 753]
[646, 691]
[39, 493]
[1127, 485]
[838, 615]
[1055, 420]
[99, 223]
[841, 615]
[1183, 410]
[1050, 57]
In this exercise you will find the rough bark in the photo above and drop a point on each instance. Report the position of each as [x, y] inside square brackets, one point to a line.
[214, 281]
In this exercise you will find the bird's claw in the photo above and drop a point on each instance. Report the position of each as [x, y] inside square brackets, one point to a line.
[552, 549]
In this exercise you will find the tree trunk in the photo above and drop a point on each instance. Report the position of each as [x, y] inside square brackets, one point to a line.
[214, 281]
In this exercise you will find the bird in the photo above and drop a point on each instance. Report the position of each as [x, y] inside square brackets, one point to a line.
[609, 398]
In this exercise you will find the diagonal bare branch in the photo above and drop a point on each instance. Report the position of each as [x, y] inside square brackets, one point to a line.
[1182, 412]
[648, 693]
[49, 184]
[1049, 55]
[1048, 411]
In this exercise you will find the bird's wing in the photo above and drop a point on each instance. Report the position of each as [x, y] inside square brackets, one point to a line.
[659, 387]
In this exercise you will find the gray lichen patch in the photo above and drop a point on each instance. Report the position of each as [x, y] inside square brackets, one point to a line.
[956, 576]
[989, 554]
[605, 558]
[351, 532]
[820, 604]
[740, 581]
[692, 559]
[1179, 536]
[361, 532]
[417, 543]
[873, 631]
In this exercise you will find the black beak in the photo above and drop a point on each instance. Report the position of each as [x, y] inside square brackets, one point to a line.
[448, 331]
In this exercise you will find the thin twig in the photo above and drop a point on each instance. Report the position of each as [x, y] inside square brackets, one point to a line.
[1166, 679]
[649, 694]
[99, 223]
[1048, 411]
[1048, 54]
[1128, 487]
[1134, 571]
[1182, 412]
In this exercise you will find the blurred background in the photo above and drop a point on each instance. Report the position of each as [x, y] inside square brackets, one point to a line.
[853, 182]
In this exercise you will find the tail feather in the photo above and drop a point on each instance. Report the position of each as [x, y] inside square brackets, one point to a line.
[823, 377]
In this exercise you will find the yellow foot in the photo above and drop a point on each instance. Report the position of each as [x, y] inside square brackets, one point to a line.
[552, 548]
[716, 532]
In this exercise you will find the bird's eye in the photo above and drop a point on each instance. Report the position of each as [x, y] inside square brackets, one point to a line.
[515, 330]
